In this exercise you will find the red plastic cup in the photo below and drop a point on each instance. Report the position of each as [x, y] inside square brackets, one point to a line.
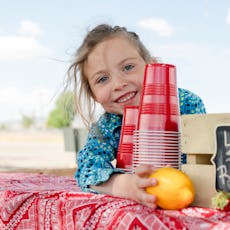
[125, 148]
[160, 73]
[159, 104]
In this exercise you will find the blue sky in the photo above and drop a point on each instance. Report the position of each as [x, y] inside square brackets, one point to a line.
[37, 39]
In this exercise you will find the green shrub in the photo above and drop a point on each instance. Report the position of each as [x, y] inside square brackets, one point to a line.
[27, 121]
[63, 113]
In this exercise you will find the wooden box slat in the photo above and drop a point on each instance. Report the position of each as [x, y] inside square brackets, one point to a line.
[198, 132]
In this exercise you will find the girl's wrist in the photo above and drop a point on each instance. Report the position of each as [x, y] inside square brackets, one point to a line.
[122, 185]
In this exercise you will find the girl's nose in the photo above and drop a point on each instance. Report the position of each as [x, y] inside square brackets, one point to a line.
[120, 83]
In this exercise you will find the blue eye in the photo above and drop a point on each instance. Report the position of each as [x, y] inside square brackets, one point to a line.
[128, 67]
[102, 79]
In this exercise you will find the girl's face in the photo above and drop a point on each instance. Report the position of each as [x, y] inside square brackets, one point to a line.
[115, 72]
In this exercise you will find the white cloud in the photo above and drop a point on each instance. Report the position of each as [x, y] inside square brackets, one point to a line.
[29, 28]
[16, 102]
[160, 26]
[228, 16]
[20, 47]
[24, 45]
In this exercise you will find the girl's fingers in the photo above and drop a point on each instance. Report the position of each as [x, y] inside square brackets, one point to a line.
[148, 200]
[146, 182]
[144, 170]
[151, 202]
[142, 181]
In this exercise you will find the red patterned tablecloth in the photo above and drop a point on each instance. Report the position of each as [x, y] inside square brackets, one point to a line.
[34, 201]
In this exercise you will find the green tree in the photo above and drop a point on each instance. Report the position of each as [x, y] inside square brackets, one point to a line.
[63, 113]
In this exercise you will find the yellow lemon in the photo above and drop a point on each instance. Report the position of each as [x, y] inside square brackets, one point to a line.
[174, 189]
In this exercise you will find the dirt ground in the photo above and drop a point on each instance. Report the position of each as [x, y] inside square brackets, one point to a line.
[35, 151]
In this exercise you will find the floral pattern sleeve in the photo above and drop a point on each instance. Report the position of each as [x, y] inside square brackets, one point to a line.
[94, 160]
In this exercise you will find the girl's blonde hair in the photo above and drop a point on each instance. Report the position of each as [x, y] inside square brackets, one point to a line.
[84, 102]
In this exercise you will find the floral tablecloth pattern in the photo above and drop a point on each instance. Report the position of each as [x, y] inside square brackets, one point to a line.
[36, 201]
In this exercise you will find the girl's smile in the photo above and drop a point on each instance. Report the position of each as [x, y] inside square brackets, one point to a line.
[126, 97]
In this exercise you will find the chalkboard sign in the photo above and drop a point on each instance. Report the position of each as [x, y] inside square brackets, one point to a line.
[222, 158]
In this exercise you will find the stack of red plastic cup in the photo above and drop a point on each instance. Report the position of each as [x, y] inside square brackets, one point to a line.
[156, 139]
[125, 148]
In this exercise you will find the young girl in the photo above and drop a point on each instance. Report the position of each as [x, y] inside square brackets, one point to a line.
[108, 69]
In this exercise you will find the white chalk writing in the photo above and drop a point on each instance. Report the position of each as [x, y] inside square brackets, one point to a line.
[226, 144]
[226, 139]
[223, 173]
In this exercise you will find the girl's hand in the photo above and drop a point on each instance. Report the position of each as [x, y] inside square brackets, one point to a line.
[131, 186]
[140, 182]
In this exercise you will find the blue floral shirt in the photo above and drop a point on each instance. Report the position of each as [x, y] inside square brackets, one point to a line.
[94, 160]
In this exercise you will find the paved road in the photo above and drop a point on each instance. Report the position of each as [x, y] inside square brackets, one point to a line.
[34, 150]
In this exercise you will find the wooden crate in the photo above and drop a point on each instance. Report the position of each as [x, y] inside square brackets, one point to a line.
[205, 139]
[204, 182]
